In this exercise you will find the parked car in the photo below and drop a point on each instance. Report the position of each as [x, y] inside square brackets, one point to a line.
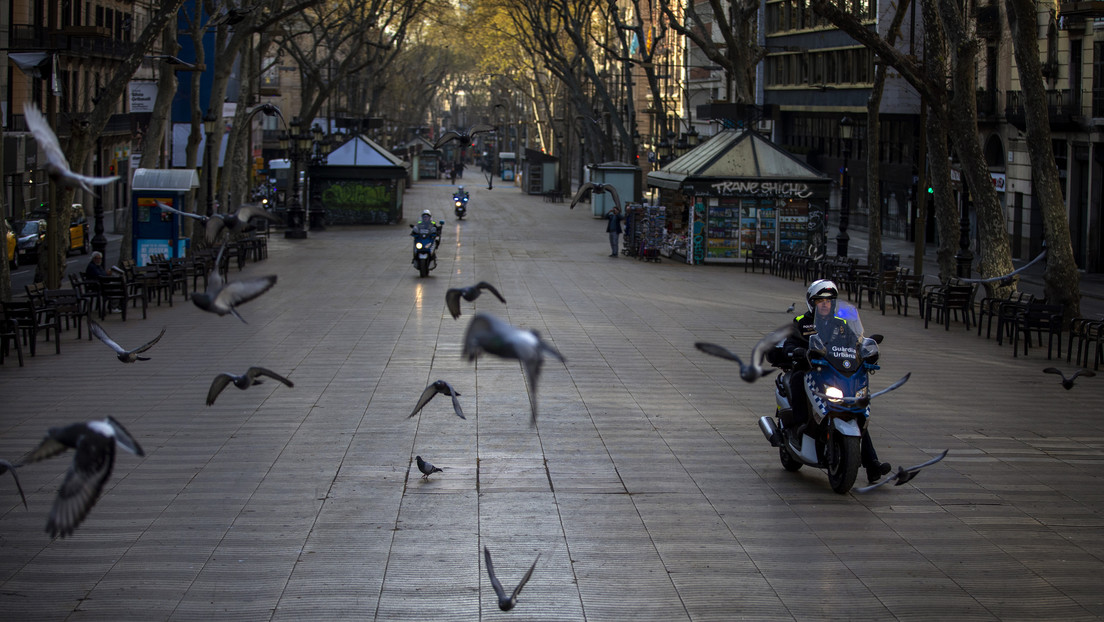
[78, 230]
[13, 259]
[31, 240]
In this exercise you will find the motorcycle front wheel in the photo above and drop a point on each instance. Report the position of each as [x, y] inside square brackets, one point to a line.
[423, 268]
[843, 462]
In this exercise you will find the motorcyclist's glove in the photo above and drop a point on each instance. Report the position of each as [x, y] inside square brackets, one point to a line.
[800, 358]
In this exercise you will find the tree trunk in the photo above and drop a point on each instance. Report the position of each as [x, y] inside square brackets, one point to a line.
[1061, 277]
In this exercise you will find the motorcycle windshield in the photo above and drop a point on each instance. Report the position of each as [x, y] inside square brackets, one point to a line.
[839, 336]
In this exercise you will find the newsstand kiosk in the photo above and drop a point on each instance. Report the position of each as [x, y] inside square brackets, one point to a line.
[157, 232]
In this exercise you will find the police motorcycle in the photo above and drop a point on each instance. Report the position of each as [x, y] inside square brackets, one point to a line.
[840, 360]
[460, 202]
[427, 237]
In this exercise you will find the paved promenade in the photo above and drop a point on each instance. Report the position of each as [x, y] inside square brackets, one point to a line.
[645, 487]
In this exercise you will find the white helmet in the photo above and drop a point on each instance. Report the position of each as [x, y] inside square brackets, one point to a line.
[822, 289]
[426, 212]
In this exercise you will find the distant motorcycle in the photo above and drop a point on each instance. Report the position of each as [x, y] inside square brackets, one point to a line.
[460, 204]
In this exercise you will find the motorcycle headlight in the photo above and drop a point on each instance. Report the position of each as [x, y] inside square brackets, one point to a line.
[833, 394]
[418, 245]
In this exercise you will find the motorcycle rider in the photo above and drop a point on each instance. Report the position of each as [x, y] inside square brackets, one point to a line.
[460, 194]
[426, 227]
[793, 354]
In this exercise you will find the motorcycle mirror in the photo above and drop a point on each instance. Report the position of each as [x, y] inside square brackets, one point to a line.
[411, 226]
[877, 338]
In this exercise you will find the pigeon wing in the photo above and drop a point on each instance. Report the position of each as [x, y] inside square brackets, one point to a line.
[427, 394]
[1054, 370]
[1011, 274]
[452, 393]
[892, 387]
[149, 344]
[7, 466]
[83, 483]
[501, 593]
[491, 288]
[98, 331]
[168, 208]
[718, 351]
[525, 579]
[248, 211]
[240, 292]
[579, 195]
[45, 137]
[217, 385]
[446, 137]
[253, 372]
[123, 437]
[1088, 373]
[215, 225]
[83, 180]
[531, 364]
[613, 193]
[766, 344]
[452, 301]
[480, 330]
[480, 128]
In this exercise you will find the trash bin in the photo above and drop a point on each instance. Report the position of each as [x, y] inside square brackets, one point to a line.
[890, 261]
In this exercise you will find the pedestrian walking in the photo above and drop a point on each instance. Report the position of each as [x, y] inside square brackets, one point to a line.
[613, 227]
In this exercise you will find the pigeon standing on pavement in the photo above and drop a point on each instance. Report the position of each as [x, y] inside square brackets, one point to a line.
[599, 189]
[56, 164]
[453, 296]
[487, 333]
[1067, 383]
[6, 466]
[221, 298]
[251, 377]
[95, 443]
[506, 603]
[465, 137]
[753, 370]
[126, 356]
[427, 468]
[439, 386]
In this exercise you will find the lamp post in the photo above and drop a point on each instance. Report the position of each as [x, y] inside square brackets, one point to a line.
[292, 142]
[322, 146]
[846, 128]
[964, 258]
[209, 122]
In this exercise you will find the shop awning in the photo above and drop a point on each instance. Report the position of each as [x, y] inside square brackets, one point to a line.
[740, 162]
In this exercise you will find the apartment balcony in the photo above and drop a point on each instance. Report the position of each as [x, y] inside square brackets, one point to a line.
[1064, 113]
[987, 108]
[1081, 8]
[84, 41]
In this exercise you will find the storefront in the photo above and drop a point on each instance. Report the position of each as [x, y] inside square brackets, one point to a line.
[737, 191]
[361, 183]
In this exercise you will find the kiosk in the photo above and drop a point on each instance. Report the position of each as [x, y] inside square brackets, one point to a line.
[156, 232]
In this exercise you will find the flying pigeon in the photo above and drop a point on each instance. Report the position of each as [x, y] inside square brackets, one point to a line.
[903, 474]
[126, 356]
[487, 333]
[453, 296]
[6, 466]
[506, 603]
[790, 308]
[426, 468]
[251, 377]
[56, 164]
[1067, 383]
[221, 299]
[852, 401]
[95, 443]
[753, 371]
[1006, 279]
[237, 222]
[599, 188]
[440, 386]
[465, 138]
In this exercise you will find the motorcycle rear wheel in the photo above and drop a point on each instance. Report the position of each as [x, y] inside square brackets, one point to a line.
[843, 462]
[788, 461]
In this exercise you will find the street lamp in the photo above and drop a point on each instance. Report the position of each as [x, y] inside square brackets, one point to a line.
[319, 150]
[209, 123]
[292, 142]
[846, 129]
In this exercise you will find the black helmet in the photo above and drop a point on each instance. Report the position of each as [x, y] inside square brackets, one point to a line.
[822, 289]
